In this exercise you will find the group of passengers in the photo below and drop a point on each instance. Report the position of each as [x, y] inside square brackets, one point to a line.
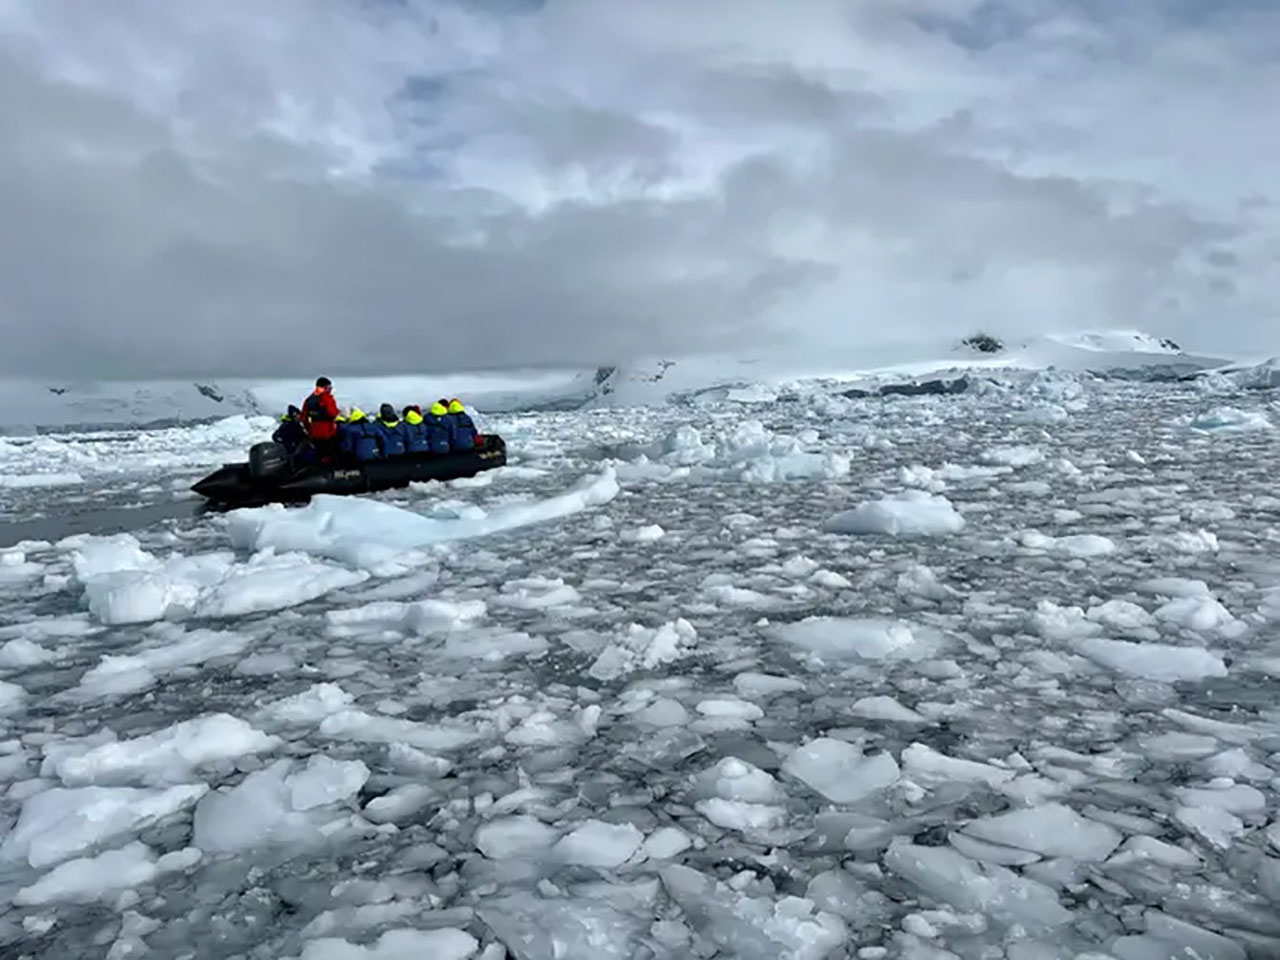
[321, 428]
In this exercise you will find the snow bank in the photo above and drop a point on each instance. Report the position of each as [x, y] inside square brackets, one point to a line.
[364, 532]
[911, 514]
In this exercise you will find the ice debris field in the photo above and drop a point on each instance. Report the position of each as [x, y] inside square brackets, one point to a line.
[776, 678]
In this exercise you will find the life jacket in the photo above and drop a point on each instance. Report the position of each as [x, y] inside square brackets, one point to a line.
[462, 429]
[438, 431]
[391, 437]
[415, 433]
[357, 437]
[319, 414]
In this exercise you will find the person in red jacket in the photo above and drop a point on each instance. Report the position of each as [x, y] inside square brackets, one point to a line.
[320, 412]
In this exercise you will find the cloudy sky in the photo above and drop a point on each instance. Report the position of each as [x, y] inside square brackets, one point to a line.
[355, 186]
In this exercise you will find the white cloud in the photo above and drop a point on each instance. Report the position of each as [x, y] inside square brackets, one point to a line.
[227, 186]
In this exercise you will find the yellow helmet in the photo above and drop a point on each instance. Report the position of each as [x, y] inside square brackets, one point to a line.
[455, 406]
[438, 409]
[356, 415]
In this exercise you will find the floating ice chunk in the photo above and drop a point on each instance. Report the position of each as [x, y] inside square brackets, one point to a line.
[1012, 456]
[400, 803]
[839, 770]
[840, 893]
[598, 844]
[13, 698]
[564, 928]
[1054, 622]
[170, 755]
[361, 726]
[261, 808]
[448, 943]
[116, 675]
[667, 842]
[842, 638]
[996, 891]
[1079, 545]
[644, 648]
[730, 707]
[919, 581]
[311, 706]
[742, 816]
[911, 514]
[885, 708]
[799, 567]
[830, 580]
[520, 836]
[536, 593]
[1226, 420]
[1234, 798]
[1174, 587]
[1152, 661]
[269, 582]
[369, 532]
[758, 686]
[325, 781]
[663, 712]
[1053, 830]
[1178, 747]
[927, 767]
[1215, 825]
[987, 852]
[1171, 939]
[59, 823]
[1195, 613]
[646, 534]
[1121, 615]
[86, 879]
[753, 928]
[20, 653]
[1139, 849]
[734, 779]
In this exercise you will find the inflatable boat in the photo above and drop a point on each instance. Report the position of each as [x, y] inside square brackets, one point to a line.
[270, 477]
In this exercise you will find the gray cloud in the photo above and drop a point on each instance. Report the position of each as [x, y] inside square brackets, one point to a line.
[204, 192]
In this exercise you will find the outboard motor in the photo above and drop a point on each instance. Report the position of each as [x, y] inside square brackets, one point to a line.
[268, 460]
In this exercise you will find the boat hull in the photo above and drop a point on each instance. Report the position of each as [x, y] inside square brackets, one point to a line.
[235, 484]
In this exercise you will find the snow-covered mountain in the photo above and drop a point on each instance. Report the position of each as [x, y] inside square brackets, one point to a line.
[27, 406]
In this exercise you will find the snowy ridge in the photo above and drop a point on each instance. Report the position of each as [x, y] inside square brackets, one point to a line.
[26, 406]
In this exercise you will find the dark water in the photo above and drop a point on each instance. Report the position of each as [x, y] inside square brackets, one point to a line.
[69, 519]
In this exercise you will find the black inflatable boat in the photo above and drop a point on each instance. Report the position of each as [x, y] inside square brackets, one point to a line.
[269, 477]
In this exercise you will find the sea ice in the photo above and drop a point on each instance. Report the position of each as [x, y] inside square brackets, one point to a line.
[839, 770]
[1053, 830]
[911, 514]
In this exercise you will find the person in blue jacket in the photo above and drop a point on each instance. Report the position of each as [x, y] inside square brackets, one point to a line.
[437, 423]
[462, 429]
[357, 437]
[390, 432]
[415, 431]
